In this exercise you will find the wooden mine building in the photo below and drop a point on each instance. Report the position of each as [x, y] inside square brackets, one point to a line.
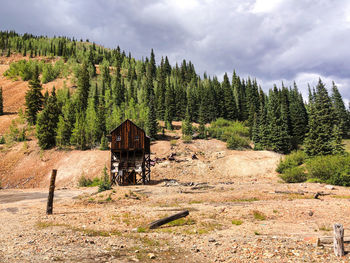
[130, 155]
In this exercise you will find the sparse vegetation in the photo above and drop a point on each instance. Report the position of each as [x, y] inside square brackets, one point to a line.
[237, 222]
[259, 215]
[105, 184]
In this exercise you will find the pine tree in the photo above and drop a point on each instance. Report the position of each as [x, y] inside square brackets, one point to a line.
[337, 141]
[104, 143]
[321, 121]
[78, 137]
[149, 88]
[230, 107]
[339, 110]
[169, 105]
[152, 63]
[47, 123]
[298, 117]
[34, 98]
[1, 102]
[187, 128]
[279, 139]
[151, 124]
[91, 125]
[83, 88]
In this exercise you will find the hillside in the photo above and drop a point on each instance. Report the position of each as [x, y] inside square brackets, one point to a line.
[239, 209]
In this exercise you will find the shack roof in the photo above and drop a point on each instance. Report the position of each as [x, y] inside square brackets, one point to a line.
[127, 120]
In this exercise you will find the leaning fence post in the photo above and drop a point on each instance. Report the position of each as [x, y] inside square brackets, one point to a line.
[338, 240]
[51, 192]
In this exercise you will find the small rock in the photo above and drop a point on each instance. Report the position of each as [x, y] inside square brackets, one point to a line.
[211, 240]
[151, 255]
[137, 251]
[329, 187]
[311, 213]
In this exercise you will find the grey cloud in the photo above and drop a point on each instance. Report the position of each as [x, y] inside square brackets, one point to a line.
[294, 38]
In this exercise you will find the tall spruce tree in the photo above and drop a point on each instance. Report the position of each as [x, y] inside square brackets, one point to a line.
[230, 107]
[321, 123]
[298, 117]
[339, 110]
[279, 139]
[47, 123]
[169, 105]
[151, 124]
[34, 98]
[78, 138]
[65, 124]
[91, 124]
[83, 88]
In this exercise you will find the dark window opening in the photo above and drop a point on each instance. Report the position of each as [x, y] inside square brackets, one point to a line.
[119, 138]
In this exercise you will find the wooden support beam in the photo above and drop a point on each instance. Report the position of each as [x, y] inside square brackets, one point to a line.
[338, 240]
[165, 220]
[49, 207]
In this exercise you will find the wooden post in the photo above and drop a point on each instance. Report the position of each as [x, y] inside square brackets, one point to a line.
[51, 193]
[338, 240]
[163, 221]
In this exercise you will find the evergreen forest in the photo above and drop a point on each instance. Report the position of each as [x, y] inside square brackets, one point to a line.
[111, 86]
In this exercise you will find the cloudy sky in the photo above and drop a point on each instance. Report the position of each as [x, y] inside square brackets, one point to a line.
[271, 40]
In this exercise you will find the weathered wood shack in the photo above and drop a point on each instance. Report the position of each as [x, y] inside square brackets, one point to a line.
[130, 154]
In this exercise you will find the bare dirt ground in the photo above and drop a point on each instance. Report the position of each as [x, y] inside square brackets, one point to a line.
[222, 189]
[239, 209]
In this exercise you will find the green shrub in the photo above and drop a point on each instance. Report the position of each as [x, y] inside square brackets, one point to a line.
[2, 140]
[105, 184]
[187, 138]
[294, 175]
[235, 133]
[294, 159]
[237, 142]
[332, 169]
[84, 182]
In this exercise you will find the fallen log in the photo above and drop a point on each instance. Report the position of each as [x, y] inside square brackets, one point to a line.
[165, 220]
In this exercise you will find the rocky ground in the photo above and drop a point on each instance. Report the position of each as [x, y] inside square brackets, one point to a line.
[239, 211]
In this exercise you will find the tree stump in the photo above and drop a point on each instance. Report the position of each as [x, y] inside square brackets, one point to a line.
[338, 240]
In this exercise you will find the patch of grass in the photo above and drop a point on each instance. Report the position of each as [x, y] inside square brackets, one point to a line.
[325, 228]
[195, 202]
[251, 199]
[257, 233]
[275, 211]
[342, 196]
[182, 222]
[259, 215]
[141, 229]
[86, 231]
[186, 138]
[43, 225]
[173, 142]
[237, 222]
